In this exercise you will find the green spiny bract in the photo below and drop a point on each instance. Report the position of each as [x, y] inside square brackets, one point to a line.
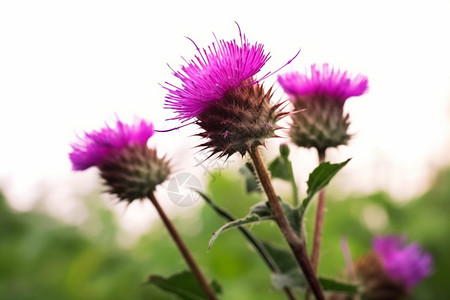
[241, 120]
[134, 172]
[319, 123]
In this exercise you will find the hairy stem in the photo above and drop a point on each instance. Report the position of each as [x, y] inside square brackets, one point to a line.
[295, 198]
[292, 239]
[318, 224]
[183, 249]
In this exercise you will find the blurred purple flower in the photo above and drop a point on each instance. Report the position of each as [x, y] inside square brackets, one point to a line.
[333, 84]
[221, 67]
[97, 147]
[406, 263]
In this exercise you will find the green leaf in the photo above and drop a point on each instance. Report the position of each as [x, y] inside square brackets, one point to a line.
[283, 258]
[257, 244]
[289, 274]
[293, 217]
[319, 179]
[322, 175]
[251, 180]
[259, 212]
[279, 169]
[261, 209]
[337, 286]
[293, 279]
[184, 285]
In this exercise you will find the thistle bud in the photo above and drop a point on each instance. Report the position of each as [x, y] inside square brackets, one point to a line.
[284, 150]
[130, 169]
[318, 99]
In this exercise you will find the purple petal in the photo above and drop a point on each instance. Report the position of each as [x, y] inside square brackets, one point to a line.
[331, 83]
[97, 146]
[214, 71]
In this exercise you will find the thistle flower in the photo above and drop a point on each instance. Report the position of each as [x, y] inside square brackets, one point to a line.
[220, 93]
[392, 269]
[408, 264]
[130, 169]
[322, 94]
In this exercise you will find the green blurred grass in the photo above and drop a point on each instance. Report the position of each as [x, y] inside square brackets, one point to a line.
[42, 258]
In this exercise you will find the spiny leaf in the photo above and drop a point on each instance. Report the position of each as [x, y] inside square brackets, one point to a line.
[259, 212]
[259, 247]
[184, 285]
[251, 180]
[322, 175]
[319, 178]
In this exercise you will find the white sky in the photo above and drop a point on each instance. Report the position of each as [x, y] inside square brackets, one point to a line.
[69, 66]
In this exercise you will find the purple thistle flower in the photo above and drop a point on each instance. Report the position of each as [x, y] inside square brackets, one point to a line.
[215, 70]
[333, 84]
[219, 90]
[98, 146]
[130, 169]
[322, 95]
[406, 263]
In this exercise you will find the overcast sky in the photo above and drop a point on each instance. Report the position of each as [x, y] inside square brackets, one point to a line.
[69, 66]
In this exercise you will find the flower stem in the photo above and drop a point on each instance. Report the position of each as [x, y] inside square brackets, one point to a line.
[318, 225]
[295, 243]
[183, 249]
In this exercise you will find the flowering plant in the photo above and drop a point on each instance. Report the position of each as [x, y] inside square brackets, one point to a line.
[219, 91]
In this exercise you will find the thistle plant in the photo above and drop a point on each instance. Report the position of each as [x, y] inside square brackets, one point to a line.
[131, 171]
[220, 92]
[321, 122]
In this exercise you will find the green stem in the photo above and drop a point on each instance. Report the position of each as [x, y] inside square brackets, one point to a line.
[295, 198]
[318, 226]
[183, 249]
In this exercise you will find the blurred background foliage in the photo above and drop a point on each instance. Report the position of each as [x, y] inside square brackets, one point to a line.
[43, 258]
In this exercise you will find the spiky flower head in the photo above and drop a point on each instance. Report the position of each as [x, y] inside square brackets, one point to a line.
[219, 92]
[321, 94]
[392, 269]
[130, 169]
